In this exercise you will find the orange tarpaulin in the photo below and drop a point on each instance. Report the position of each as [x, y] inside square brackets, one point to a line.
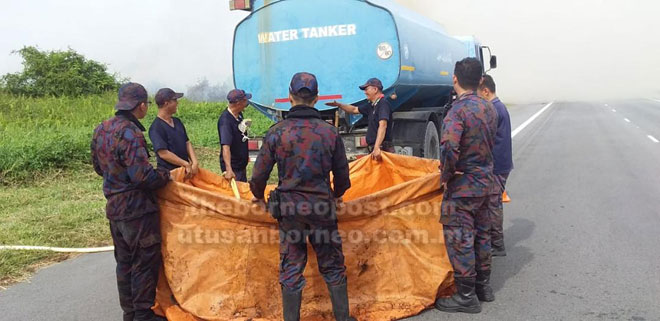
[221, 255]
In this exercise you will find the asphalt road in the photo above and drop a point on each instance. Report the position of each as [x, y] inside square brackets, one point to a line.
[582, 231]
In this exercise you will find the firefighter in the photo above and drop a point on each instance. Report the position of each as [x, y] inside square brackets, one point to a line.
[379, 117]
[169, 137]
[306, 149]
[119, 154]
[503, 161]
[233, 136]
[467, 178]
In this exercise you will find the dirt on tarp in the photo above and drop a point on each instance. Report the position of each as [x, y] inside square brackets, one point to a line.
[221, 255]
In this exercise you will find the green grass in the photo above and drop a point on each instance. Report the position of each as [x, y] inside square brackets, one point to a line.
[49, 193]
[58, 208]
[44, 133]
[62, 208]
[18, 265]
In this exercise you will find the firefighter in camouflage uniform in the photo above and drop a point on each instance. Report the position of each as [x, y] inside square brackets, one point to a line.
[306, 149]
[467, 141]
[119, 154]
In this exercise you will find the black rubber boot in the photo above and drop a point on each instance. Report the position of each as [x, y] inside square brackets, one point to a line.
[464, 300]
[498, 248]
[129, 316]
[482, 287]
[291, 304]
[147, 315]
[339, 297]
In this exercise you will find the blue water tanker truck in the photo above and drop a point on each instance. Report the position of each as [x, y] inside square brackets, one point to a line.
[344, 43]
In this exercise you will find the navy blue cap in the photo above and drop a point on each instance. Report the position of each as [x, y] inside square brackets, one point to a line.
[372, 82]
[236, 95]
[165, 94]
[304, 80]
[130, 95]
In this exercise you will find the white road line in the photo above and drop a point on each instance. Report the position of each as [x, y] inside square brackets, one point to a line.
[614, 110]
[530, 120]
[653, 139]
[626, 119]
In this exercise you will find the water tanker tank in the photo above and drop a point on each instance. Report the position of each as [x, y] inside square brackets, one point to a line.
[344, 42]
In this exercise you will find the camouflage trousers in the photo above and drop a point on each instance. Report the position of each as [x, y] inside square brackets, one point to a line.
[295, 231]
[497, 214]
[466, 228]
[138, 256]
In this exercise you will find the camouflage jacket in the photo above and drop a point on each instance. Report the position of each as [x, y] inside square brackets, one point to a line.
[306, 149]
[119, 154]
[468, 136]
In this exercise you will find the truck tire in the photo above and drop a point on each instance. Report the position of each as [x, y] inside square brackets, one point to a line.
[431, 141]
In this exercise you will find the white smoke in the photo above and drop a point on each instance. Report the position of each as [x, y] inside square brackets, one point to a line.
[561, 49]
[159, 43]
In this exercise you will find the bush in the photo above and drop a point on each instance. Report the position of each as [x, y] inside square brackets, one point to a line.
[58, 73]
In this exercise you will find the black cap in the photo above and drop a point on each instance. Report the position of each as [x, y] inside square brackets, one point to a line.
[130, 95]
[165, 94]
[236, 95]
[304, 80]
[372, 82]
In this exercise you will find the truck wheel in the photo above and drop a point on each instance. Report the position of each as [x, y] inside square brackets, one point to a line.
[431, 142]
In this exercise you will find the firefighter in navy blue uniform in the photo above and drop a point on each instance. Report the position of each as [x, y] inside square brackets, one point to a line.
[169, 137]
[232, 133]
[503, 161]
[119, 154]
[306, 149]
[379, 117]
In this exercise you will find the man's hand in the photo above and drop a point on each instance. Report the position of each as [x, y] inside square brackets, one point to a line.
[333, 103]
[189, 173]
[260, 202]
[195, 168]
[164, 172]
[229, 174]
[339, 202]
[376, 154]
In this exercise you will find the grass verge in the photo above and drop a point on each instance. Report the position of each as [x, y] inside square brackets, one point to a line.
[49, 194]
[63, 208]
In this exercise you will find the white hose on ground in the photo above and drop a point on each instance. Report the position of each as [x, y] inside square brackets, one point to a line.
[58, 249]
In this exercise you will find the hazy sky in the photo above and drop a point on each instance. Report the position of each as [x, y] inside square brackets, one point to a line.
[559, 49]
[155, 42]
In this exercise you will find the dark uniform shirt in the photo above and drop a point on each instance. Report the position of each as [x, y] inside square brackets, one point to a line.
[466, 146]
[305, 149]
[375, 112]
[119, 154]
[502, 150]
[230, 134]
[174, 139]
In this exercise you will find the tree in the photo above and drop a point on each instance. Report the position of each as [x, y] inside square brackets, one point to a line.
[58, 73]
